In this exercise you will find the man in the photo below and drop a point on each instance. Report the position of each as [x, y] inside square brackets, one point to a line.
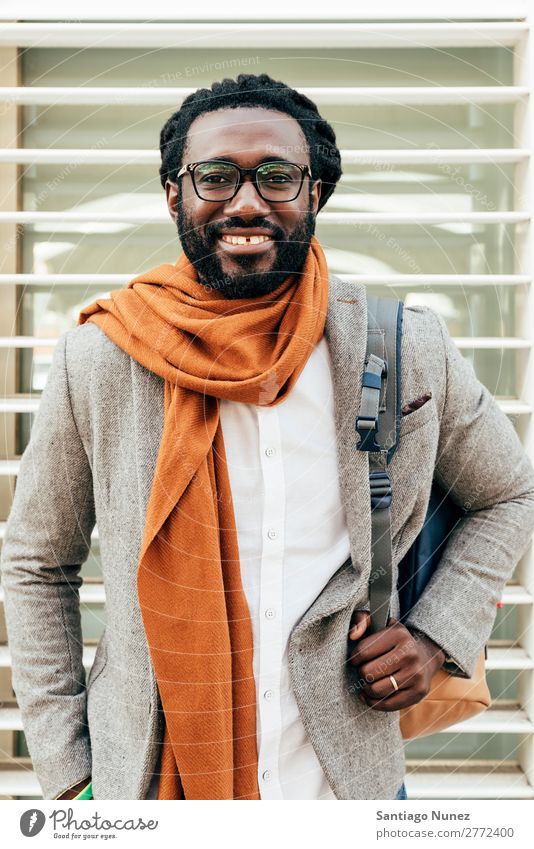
[207, 423]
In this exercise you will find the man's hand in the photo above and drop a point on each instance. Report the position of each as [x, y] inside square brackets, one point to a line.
[411, 658]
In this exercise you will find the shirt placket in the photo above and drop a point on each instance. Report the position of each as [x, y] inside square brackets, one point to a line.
[271, 599]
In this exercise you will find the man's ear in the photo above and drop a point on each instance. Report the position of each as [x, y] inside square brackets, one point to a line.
[316, 195]
[171, 192]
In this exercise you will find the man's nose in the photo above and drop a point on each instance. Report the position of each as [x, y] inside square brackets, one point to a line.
[247, 200]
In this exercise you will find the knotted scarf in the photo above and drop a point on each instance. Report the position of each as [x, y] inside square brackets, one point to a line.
[206, 347]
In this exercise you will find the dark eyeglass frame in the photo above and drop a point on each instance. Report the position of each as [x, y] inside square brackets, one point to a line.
[253, 172]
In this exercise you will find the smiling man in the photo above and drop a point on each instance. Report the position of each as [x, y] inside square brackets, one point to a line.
[203, 416]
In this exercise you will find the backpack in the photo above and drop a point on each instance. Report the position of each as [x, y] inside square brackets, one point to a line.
[451, 698]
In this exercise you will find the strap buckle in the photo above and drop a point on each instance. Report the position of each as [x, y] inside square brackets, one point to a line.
[367, 420]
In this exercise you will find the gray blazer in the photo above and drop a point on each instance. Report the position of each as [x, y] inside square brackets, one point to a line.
[91, 457]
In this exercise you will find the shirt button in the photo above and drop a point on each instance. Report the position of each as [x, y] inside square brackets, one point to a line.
[270, 613]
[270, 452]
[272, 533]
[267, 775]
[268, 694]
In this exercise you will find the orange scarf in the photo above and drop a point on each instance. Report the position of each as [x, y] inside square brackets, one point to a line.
[195, 613]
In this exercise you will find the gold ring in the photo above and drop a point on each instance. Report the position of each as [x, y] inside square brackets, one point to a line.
[394, 683]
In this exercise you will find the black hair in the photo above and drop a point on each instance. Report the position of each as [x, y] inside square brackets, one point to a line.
[254, 90]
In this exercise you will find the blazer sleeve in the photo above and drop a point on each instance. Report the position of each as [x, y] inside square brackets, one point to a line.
[46, 541]
[483, 466]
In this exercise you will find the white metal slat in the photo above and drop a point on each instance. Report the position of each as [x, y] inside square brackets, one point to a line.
[426, 785]
[494, 722]
[508, 659]
[19, 782]
[516, 594]
[94, 593]
[393, 280]
[30, 404]
[430, 156]
[268, 35]
[28, 341]
[9, 467]
[440, 13]
[471, 342]
[69, 217]
[19, 404]
[322, 96]
[90, 594]
[456, 784]
[492, 342]
[3, 525]
[88, 657]
[490, 722]
[515, 407]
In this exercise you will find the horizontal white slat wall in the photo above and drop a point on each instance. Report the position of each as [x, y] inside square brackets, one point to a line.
[511, 719]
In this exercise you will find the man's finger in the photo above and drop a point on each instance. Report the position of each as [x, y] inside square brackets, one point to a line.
[397, 701]
[381, 688]
[382, 666]
[360, 623]
[375, 645]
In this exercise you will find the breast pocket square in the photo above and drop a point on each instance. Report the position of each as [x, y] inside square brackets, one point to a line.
[415, 405]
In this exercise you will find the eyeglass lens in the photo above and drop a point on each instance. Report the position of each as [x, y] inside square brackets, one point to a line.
[276, 180]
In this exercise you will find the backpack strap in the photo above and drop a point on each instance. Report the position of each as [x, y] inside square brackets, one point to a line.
[378, 429]
[382, 373]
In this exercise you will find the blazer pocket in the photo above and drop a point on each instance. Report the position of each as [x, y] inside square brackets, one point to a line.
[418, 418]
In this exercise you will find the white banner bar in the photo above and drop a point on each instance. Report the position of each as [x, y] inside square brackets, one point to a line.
[409, 824]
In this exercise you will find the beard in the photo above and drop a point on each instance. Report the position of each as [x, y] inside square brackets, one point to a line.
[246, 282]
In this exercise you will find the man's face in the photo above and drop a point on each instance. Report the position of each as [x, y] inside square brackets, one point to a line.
[245, 136]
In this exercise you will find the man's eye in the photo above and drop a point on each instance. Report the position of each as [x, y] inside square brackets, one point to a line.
[215, 179]
[278, 178]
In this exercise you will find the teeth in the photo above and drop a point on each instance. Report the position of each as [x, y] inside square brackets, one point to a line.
[244, 240]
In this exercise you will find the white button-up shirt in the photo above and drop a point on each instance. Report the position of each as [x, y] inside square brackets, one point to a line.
[292, 537]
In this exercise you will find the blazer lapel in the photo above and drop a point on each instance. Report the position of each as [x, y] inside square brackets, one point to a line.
[346, 333]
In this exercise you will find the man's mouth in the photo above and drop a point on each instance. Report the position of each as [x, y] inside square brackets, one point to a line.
[240, 242]
[245, 240]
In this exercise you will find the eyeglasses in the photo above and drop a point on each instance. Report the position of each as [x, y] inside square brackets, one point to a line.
[216, 180]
